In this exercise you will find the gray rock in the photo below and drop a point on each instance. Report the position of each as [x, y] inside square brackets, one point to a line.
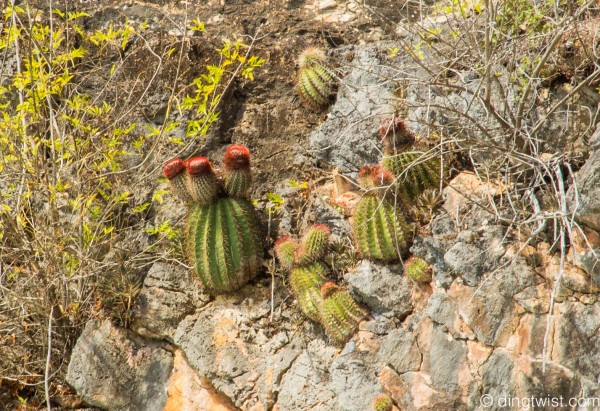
[443, 311]
[583, 197]
[380, 288]
[168, 295]
[444, 360]
[305, 382]
[347, 139]
[496, 375]
[117, 370]
[576, 339]
[400, 351]
[488, 313]
[467, 261]
[353, 381]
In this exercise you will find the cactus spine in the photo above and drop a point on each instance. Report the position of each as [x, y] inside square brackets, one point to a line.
[316, 80]
[418, 269]
[380, 231]
[335, 310]
[223, 231]
[339, 313]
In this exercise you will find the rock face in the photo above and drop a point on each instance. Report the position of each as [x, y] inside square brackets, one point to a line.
[491, 326]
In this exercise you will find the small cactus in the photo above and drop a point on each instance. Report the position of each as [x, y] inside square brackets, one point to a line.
[335, 310]
[339, 313]
[382, 402]
[418, 269]
[316, 80]
[223, 230]
[236, 171]
[413, 174]
[380, 231]
[306, 282]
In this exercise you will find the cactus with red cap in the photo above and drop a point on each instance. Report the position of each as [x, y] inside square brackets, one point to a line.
[316, 80]
[339, 313]
[223, 230]
[380, 231]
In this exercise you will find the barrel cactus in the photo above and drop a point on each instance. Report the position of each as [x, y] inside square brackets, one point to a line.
[336, 311]
[223, 231]
[339, 313]
[380, 231]
[316, 79]
[307, 274]
[413, 170]
[382, 402]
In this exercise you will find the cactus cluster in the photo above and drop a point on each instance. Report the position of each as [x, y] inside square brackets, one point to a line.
[223, 231]
[319, 299]
[380, 231]
[316, 79]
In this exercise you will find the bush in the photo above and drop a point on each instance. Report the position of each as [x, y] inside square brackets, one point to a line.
[74, 236]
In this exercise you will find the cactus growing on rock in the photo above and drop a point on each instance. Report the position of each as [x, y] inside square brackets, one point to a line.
[380, 231]
[382, 402]
[339, 313]
[316, 80]
[223, 230]
[418, 269]
[414, 172]
[306, 273]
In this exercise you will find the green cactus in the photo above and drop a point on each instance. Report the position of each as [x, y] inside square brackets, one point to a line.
[382, 402]
[418, 269]
[223, 231]
[380, 231]
[316, 80]
[306, 281]
[236, 171]
[413, 173]
[335, 310]
[339, 313]
[224, 243]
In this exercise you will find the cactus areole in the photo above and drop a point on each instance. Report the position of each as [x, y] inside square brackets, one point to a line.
[223, 239]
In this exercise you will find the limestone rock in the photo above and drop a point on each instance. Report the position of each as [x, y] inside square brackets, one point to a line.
[114, 369]
[583, 197]
[380, 288]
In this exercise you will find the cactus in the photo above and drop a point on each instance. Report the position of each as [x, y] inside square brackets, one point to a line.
[335, 310]
[306, 281]
[379, 228]
[236, 171]
[306, 273]
[224, 243]
[339, 313]
[413, 173]
[316, 80]
[223, 230]
[418, 269]
[382, 402]
[395, 135]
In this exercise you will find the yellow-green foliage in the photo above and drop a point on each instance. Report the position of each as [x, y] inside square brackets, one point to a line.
[72, 161]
